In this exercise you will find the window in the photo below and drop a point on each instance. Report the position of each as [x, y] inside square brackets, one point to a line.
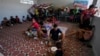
[27, 1]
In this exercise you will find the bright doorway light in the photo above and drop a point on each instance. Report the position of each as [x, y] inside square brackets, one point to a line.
[27, 1]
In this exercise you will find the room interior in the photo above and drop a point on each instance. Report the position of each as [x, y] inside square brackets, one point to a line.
[14, 43]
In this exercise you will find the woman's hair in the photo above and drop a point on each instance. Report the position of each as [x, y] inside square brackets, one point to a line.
[92, 6]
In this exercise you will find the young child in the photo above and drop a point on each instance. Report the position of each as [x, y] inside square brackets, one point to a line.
[33, 29]
[48, 25]
[59, 51]
[24, 19]
[45, 36]
[29, 32]
[43, 32]
[12, 20]
[5, 22]
[17, 19]
[54, 20]
[54, 34]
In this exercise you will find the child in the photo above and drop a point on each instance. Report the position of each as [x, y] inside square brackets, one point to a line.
[17, 19]
[29, 32]
[12, 20]
[59, 51]
[48, 25]
[54, 34]
[28, 18]
[5, 22]
[86, 16]
[23, 19]
[33, 29]
[43, 32]
[45, 36]
[54, 20]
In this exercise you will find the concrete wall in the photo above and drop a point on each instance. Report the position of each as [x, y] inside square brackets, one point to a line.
[96, 39]
[57, 3]
[12, 8]
[94, 2]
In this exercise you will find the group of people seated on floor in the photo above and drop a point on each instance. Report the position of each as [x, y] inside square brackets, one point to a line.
[47, 29]
[10, 22]
[14, 20]
[45, 24]
[49, 33]
[83, 17]
[66, 14]
[43, 28]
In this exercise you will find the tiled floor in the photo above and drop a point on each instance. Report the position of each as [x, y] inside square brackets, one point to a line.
[15, 43]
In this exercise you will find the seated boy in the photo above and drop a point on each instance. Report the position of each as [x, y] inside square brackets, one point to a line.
[17, 19]
[54, 34]
[12, 20]
[33, 29]
[43, 32]
[5, 22]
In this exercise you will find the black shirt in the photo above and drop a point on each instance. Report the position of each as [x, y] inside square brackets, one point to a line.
[55, 34]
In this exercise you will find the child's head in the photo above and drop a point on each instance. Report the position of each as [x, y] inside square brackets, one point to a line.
[5, 18]
[59, 45]
[23, 16]
[33, 20]
[48, 19]
[16, 16]
[55, 25]
[11, 16]
[92, 7]
[41, 23]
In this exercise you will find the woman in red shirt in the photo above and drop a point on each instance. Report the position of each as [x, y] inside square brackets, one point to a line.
[86, 16]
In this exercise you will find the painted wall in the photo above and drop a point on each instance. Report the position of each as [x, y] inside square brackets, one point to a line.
[57, 3]
[96, 41]
[12, 8]
[96, 38]
[98, 3]
[89, 3]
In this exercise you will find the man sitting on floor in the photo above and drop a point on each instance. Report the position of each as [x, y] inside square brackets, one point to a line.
[54, 34]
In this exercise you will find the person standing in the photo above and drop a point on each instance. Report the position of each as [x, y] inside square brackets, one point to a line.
[86, 16]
